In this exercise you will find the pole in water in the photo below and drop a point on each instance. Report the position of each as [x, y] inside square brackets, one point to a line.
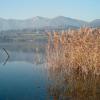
[5, 57]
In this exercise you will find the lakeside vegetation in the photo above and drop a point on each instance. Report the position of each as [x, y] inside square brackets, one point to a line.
[73, 59]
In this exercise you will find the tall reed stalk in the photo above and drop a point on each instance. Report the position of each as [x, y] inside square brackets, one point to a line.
[73, 59]
[75, 50]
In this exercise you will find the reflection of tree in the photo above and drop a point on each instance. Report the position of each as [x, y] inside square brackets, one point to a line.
[74, 87]
[38, 58]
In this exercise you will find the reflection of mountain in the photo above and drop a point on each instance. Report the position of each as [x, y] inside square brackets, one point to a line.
[27, 57]
[43, 23]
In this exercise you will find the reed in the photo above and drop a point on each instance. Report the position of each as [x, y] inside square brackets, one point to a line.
[73, 59]
[75, 50]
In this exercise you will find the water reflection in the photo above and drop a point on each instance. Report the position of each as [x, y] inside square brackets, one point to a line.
[24, 76]
[73, 87]
[36, 57]
[23, 81]
[29, 52]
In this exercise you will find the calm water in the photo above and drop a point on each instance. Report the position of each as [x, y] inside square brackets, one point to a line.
[23, 81]
[23, 77]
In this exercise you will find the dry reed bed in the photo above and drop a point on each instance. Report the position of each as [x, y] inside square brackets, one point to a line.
[75, 50]
[73, 59]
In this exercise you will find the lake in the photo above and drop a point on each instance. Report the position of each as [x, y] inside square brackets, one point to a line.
[24, 76]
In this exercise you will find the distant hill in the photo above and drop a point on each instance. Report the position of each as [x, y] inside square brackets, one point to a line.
[95, 23]
[43, 23]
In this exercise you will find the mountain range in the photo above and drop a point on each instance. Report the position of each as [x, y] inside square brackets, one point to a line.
[42, 22]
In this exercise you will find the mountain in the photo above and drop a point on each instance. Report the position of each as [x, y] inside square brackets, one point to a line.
[61, 21]
[43, 23]
[95, 23]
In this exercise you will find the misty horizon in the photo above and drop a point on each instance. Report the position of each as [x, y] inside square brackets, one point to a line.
[47, 18]
[84, 10]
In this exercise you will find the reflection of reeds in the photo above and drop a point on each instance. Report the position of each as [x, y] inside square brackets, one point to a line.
[75, 56]
[74, 88]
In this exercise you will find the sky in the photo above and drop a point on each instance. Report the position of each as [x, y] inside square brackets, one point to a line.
[87, 10]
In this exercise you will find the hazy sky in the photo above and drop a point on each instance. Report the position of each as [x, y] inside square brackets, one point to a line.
[22, 9]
